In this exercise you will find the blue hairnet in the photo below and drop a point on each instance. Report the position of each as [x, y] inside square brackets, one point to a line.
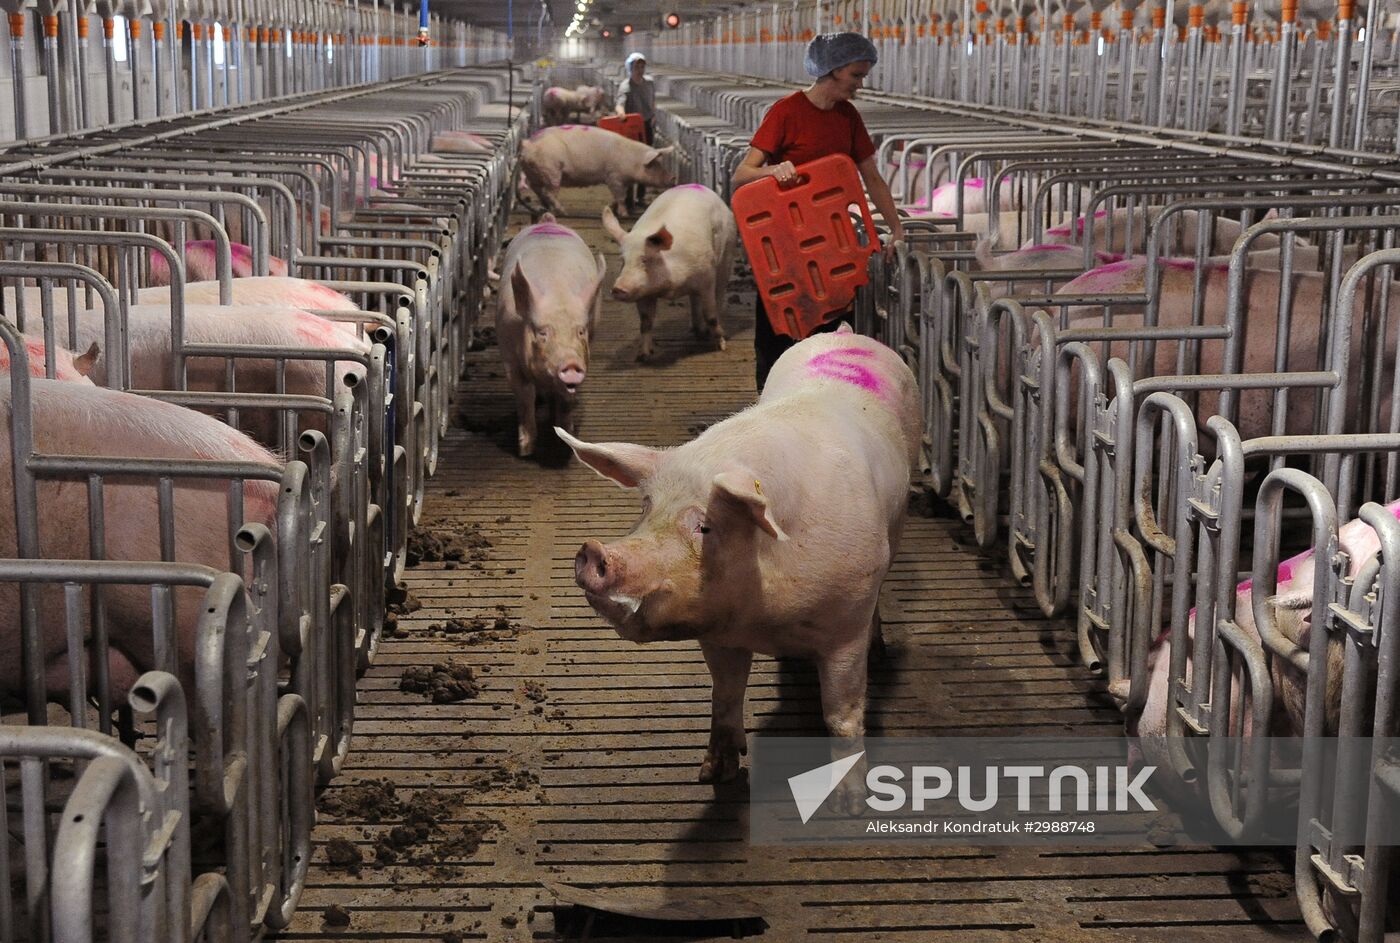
[627, 65]
[831, 51]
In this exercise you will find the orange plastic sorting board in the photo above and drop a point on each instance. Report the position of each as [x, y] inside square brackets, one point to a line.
[629, 125]
[802, 244]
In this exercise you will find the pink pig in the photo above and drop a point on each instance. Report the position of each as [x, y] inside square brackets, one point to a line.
[200, 263]
[149, 340]
[684, 245]
[771, 532]
[68, 367]
[84, 420]
[277, 291]
[579, 156]
[944, 200]
[461, 142]
[1292, 603]
[1226, 231]
[1259, 323]
[544, 322]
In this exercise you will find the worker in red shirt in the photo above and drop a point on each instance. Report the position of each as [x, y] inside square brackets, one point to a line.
[812, 123]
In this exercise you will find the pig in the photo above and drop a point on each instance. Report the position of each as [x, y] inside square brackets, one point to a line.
[561, 104]
[771, 532]
[85, 420]
[1010, 225]
[67, 366]
[1032, 258]
[1052, 256]
[1306, 257]
[918, 173]
[259, 290]
[1259, 322]
[1226, 231]
[200, 263]
[1292, 602]
[944, 199]
[684, 245]
[149, 341]
[545, 321]
[461, 142]
[579, 156]
[594, 98]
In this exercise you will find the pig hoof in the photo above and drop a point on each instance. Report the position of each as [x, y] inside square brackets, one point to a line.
[720, 767]
[849, 798]
[723, 344]
[526, 445]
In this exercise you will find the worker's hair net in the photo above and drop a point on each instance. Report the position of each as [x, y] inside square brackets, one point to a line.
[831, 51]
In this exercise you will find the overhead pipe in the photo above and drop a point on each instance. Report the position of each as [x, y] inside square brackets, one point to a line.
[133, 58]
[1374, 17]
[109, 55]
[169, 17]
[1234, 115]
[48, 13]
[160, 68]
[1127, 69]
[1194, 36]
[78, 25]
[17, 73]
[1341, 74]
[1278, 106]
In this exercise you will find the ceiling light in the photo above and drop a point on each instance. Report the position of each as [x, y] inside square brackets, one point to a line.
[627, 29]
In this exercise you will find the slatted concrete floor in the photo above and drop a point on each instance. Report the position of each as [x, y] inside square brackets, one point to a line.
[581, 750]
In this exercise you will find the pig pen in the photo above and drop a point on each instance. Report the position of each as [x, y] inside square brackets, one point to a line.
[506, 737]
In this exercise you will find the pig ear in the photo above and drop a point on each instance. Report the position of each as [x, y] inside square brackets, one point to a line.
[661, 239]
[747, 492]
[611, 225]
[521, 286]
[627, 464]
[85, 361]
[654, 155]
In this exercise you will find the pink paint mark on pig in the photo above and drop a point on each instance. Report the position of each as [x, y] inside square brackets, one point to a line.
[1050, 247]
[1286, 568]
[838, 365]
[549, 229]
[692, 186]
[1079, 223]
[318, 332]
[975, 183]
[1057, 231]
[1105, 278]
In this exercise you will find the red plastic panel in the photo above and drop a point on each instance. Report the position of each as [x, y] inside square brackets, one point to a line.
[629, 125]
[802, 244]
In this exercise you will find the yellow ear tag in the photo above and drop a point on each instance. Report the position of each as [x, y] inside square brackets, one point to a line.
[757, 487]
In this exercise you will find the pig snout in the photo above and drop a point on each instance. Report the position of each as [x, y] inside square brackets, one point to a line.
[621, 293]
[571, 375]
[593, 571]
